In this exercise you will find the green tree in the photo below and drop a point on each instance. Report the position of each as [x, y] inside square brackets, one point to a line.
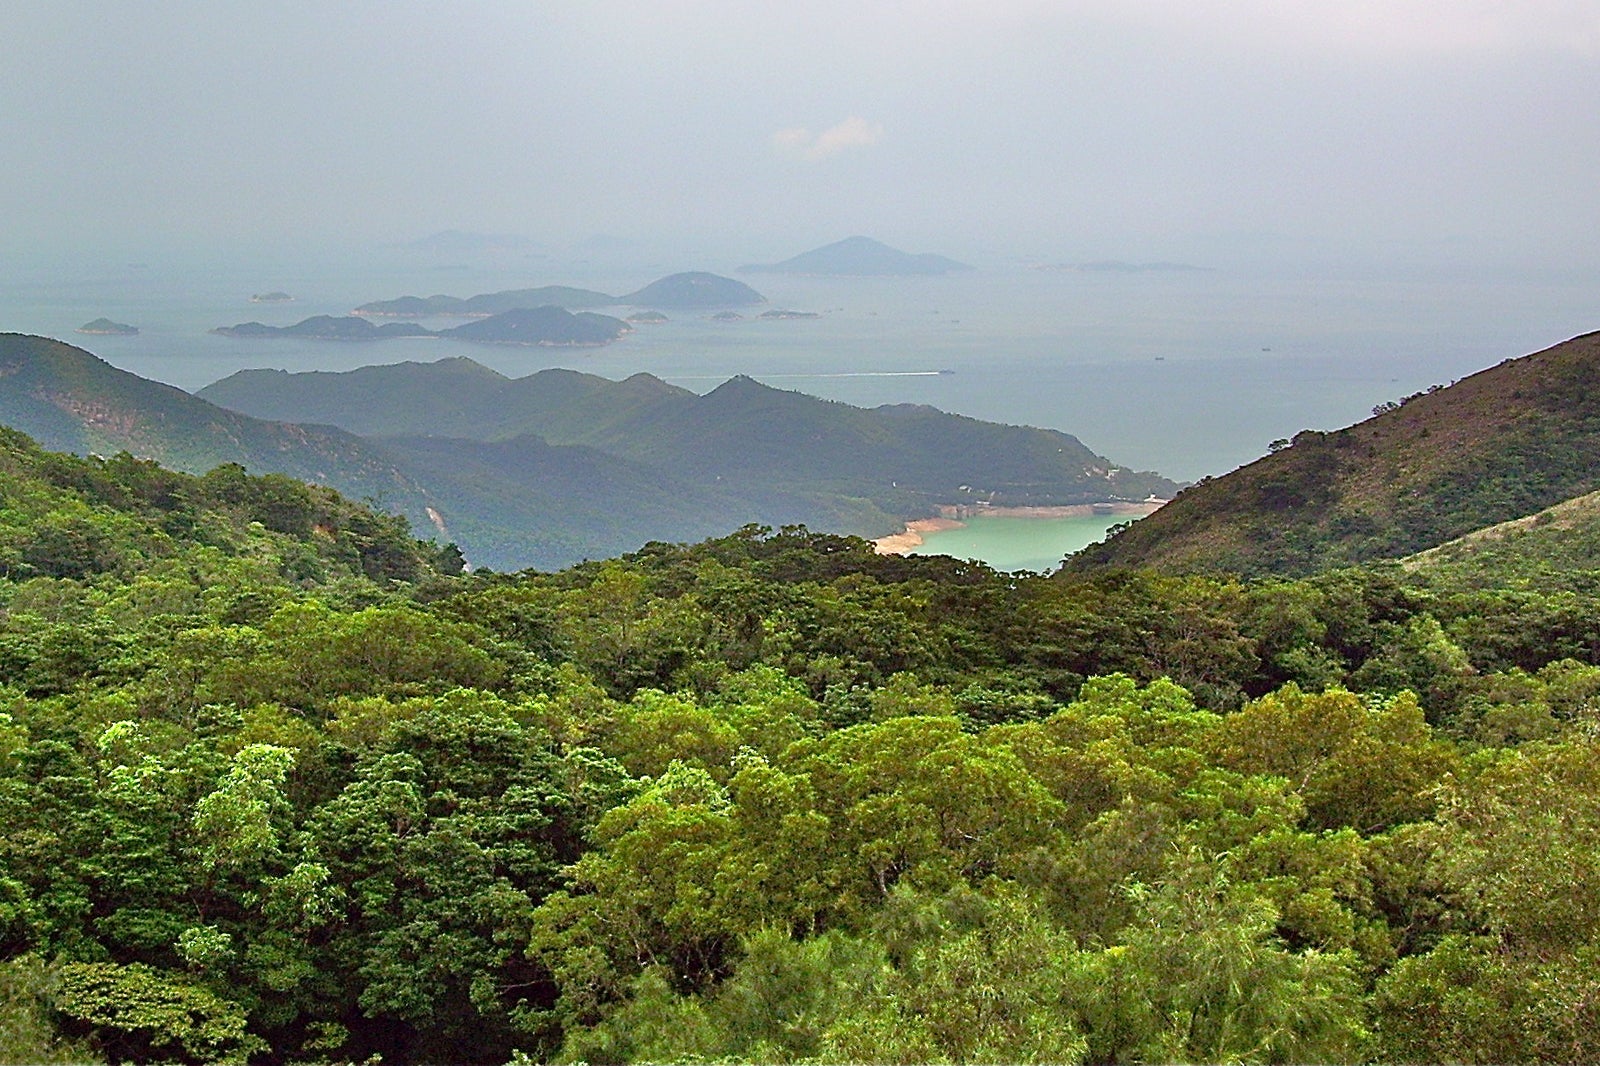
[1199, 976]
[136, 1012]
[1369, 764]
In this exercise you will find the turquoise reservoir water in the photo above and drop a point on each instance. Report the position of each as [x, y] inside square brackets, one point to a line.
[1010, 543]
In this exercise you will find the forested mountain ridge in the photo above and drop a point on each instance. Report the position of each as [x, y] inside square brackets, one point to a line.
[1501, 444]
[522, 502]
[71, 400]
[456, 397]
[771, 797]
[742, 435]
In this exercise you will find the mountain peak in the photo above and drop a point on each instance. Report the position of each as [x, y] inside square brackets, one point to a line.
[861, 256]
[742, 385]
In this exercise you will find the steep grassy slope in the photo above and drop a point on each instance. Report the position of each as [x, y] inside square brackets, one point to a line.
[1498, 445]
[1557, 548]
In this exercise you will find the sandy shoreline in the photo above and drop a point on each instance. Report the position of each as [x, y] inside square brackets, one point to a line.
[902, 542]
[950, 517]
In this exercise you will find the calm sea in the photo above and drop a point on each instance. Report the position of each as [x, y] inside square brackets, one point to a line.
[1187, 373]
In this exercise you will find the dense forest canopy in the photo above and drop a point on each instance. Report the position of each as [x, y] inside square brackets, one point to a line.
[280, 784]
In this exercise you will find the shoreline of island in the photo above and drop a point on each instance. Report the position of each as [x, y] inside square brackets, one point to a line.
[952, 516]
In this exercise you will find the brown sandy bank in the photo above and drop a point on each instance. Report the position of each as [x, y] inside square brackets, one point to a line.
[902, 542]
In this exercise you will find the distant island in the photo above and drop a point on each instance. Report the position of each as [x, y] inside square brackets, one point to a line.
[1117, 266]
[485, 304]
[104, 327]
[544, 327]
[776, 314]
[547, 326]
[326, 328]
[647, 317]
[860, 257]
[271, 298]
[727, 316]
[693, 289]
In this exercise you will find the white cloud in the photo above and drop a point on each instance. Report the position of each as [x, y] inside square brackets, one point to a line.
[853, 132]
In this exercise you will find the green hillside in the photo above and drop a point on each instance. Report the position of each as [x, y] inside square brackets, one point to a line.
[911, 457]
[452, 397]
[522, 502]
[448, 394]
[1495, 446]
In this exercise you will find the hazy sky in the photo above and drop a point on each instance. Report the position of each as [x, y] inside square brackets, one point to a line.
[1070, 129]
